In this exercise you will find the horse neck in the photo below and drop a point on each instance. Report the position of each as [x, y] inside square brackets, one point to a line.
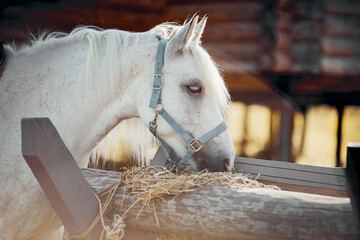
[82, 113]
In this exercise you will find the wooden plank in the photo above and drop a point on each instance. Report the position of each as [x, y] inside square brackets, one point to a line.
[319, 84]
[353, 176]
[220, 54]
[341, 66]
[306, 50]
[292, 166]
[134, 21]
[138, 5]
[244, 51]
[296, 177]
[286, 130]
[335, 25]
[340, 46]
[307, 29]
[307, 9]
[305, 188]
[218, 11]
[235, 32]
[344, 7]
[59, 176]
[223, 213]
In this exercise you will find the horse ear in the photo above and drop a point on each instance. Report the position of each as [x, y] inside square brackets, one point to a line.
[184, 35]
[199, 29]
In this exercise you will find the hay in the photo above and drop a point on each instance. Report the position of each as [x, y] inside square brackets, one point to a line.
[149, 183]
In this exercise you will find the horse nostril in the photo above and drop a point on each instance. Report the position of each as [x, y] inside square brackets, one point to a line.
[226, 165]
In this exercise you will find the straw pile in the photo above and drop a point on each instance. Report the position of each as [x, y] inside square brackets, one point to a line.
[148, 183]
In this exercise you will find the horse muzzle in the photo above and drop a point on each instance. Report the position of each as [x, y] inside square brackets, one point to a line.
[217, 155]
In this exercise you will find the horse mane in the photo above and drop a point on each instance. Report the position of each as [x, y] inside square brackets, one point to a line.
[138, 138]
[102, 61]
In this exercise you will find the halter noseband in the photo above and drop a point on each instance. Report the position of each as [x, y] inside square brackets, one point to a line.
[194, 144]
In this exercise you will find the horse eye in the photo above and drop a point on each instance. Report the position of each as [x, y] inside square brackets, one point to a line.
[194, 89]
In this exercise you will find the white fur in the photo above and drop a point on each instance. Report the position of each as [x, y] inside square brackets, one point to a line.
[87, 82]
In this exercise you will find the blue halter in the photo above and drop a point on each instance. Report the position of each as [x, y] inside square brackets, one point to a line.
[194, 144]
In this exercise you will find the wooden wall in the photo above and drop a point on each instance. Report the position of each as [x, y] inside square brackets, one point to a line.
[318, 37]
[306, 52]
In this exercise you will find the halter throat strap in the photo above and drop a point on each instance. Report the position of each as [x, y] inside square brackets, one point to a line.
[194, 144]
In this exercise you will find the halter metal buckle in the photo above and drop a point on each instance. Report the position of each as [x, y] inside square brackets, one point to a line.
[162, 81]
[195, 145]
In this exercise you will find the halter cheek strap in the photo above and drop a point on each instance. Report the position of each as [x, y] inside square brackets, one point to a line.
[158, 76]
[194, 144]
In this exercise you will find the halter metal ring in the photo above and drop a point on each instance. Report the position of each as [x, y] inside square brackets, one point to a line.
[195, 145]
[158, 107]
[162, 81]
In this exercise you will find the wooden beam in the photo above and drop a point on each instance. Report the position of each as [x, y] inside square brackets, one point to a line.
[59, 176]
[138, 5]
[223, 213]
[340, 26]
[286, 130]
[238, 73]
[235, 32]
[340, 46]
[353, 176]
[245, 52]
[341, 66]
[295, 177]
[218, 11]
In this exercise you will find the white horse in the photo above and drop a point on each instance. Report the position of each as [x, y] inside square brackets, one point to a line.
[87, 82]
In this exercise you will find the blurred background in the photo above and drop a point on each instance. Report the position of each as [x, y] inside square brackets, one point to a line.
[292, 67]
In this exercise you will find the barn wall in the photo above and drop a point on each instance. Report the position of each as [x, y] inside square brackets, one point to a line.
[300, 49]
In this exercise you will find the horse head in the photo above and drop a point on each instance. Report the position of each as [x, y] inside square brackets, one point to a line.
[195, 97]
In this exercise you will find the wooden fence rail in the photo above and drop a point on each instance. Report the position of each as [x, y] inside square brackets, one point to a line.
[223, 213]
[209, 213]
